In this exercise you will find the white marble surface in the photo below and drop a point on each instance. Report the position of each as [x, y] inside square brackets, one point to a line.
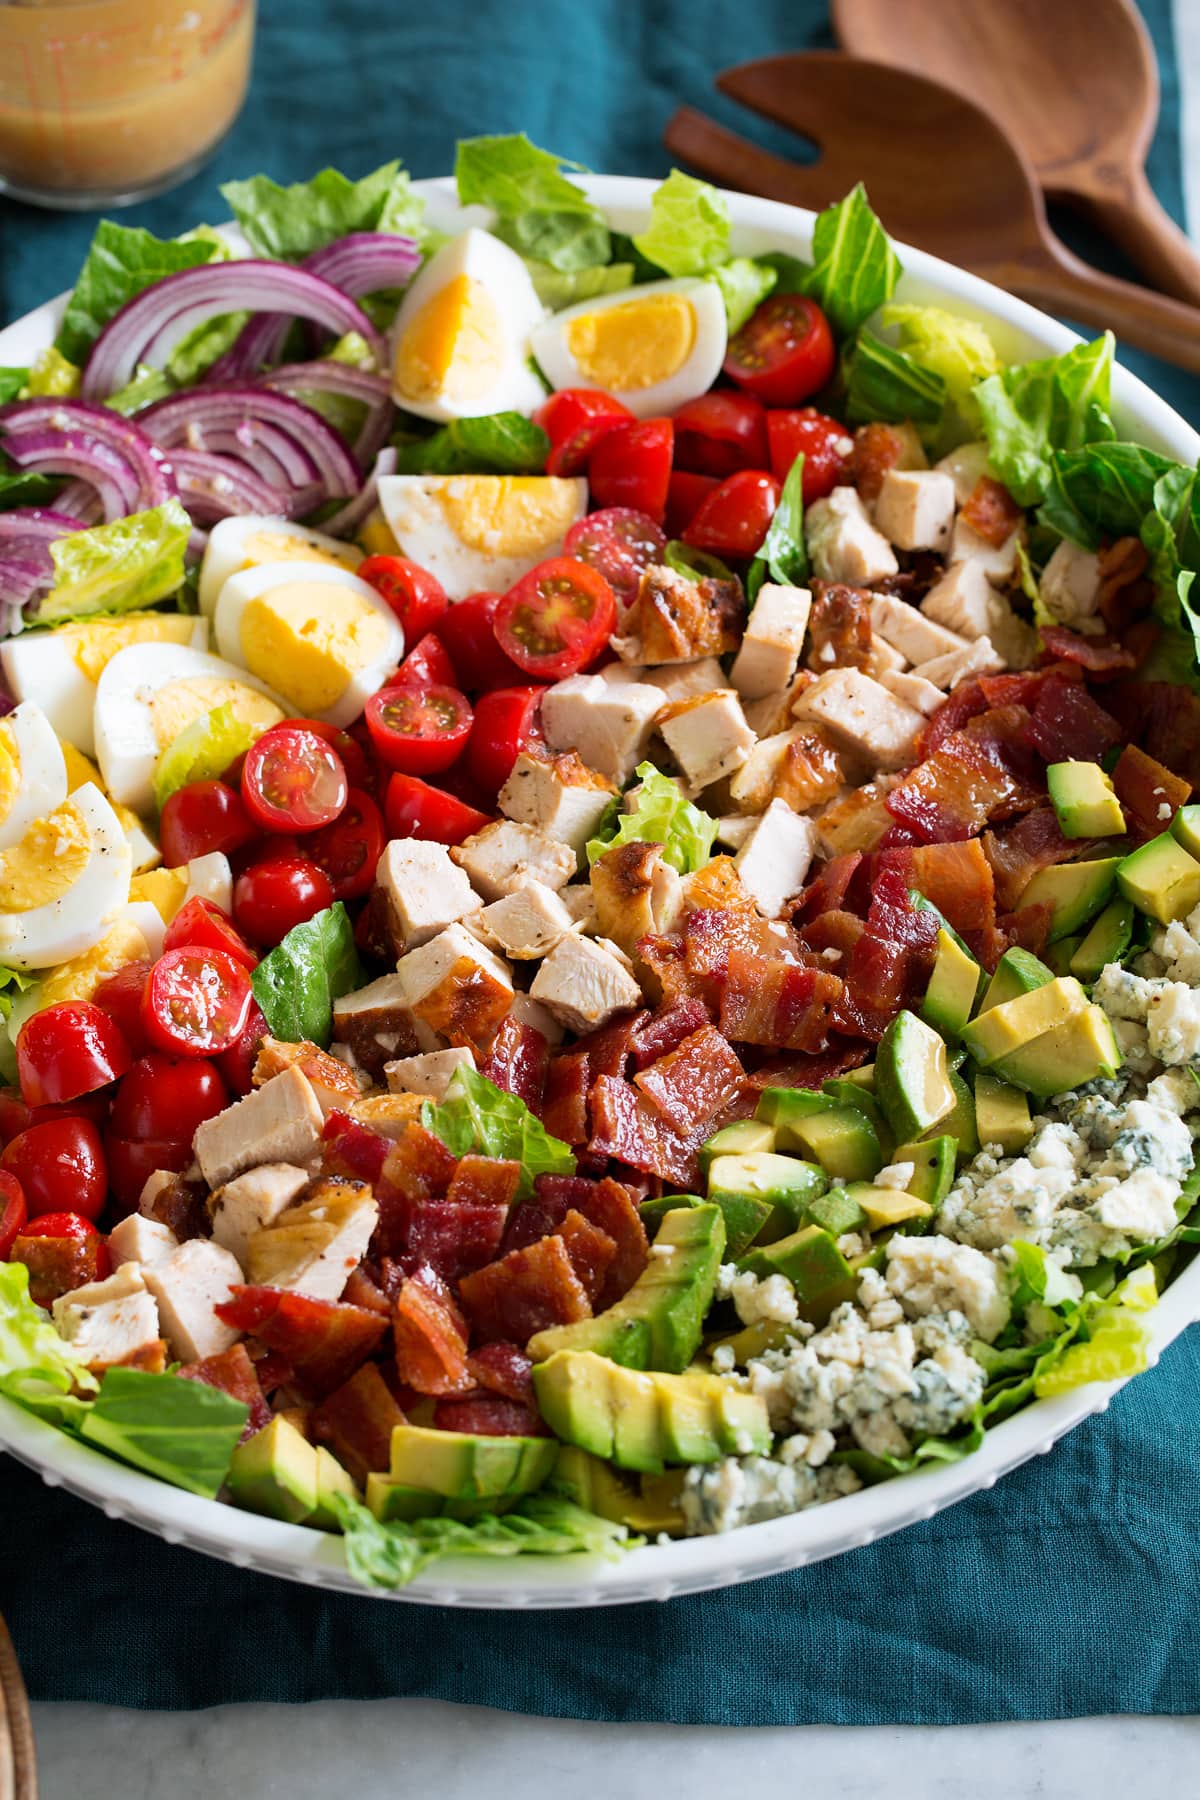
[385, 1748]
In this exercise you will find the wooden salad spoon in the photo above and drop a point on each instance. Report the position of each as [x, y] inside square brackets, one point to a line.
[18, 1773]
[940, 172]
[1086, 133]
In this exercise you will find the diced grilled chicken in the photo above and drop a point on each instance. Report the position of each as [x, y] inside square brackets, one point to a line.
[252, 1200]
[1070, 587]
[607, 722]
[856, 821]
[915, 508]
[708, 737]
[978, 658]
[505, 854]
[842, 542]
[583, 983]
[770, 650]
[429, 1075]
[527, 1011]
[527, 923]
[774, 858]
[998, 561]
[331, 1080]
[388, 1114]
[913, 690]
[863, 715]
[280, 1122]
[684, 681]
[375, 1024]
[138, 1239]
[675, 619]
[425, 891]
[314, 1247]
[961, 601]
[914, 632]
[187, 1286]
[456, 990]
[636, 893]
[560, 796]
[109, 1322]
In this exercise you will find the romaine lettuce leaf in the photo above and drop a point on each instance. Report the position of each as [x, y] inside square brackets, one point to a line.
[25, 487]
[689, 229]
[118, 567]
[497, 443]
[11, 383]
[202, 751]
[392, 1555]
[661, 815]
[297, 983]
[855, 269]
[289, 223]
[145, 387]
[185, 1432]
[783, 554]
[743, 283]
[557, 288]
[958, 350]
[38, 1368]
[884, 382]
[52, 375]
[538, 211]
[1034, 408]
[121, 261]
[1115, 1342]
[477, 1117]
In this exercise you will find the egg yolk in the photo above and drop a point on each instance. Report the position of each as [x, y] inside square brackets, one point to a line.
[509, 515]
[309, 639]
[454, 348]
[10, 769]
[174, 706]
[47, 862]
[633, 346]
[80, 771]
[79, 978]
[165, 889]
[282, 546]
[93, 645]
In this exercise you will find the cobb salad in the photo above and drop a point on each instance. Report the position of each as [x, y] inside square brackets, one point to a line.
[599, 897]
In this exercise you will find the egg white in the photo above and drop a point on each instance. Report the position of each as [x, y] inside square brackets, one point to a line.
[41, 666]
[694, 375]
[248, 543]
[43, 772]
[71, 924]
[211, 878]
[127, 746]
[418, 520]
[508, 309]
[259, 583]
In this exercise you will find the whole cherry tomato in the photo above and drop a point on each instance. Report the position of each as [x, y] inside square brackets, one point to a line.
[167, 1097]
[196, 1002]
[13, 1211]
[349, 849]
[415, 809]
[60, 1165]
[203, 816]
[417, 598]
[575, 419]
[556, 619]
[120, 995]
[67, 1050]
[292, 780]
[733, 519]
[466, 631]
[419, 730]
[825, 445]
[70, 1225]
[631, 466]
[271, 897]
[719, 432]
[618, 542]
[684, 496]
[505, 721]
[16, 1116]
[784, 352]
[132, 1161]
[427, 664]
[202, 925]
[237, 1063]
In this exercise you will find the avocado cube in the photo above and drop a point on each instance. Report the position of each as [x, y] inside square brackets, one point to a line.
[1076, 891]
[933, 1161]
[1081, 1048]
[1161, 878]
[762, 1194]
[1059, 954]
[911, 1076]
[1004, 1028]
[1185, 828]
[742, 1138]
[809, 1258]
[886, 1206]
[601, 1489]
[389, 1499]
[742, 1425]
[460, 1465]
[639, 1441]
[861, 1077]
[778, 1107]
[574, 1390]
[276, 1472]
[1085, 800]
[852, 1093]
[653, 1212]
[1107, 941]
[331, 1479]
[842, 1139]
[959, 1124]
[836, 1212]
[688, 1419]
[1002, 1114]
[1017, 972]
[953, 987]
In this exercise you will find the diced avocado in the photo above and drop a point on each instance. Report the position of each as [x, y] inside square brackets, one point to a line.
[1161, 878]
[845, 1092]
[842, 1139]
[639, 1440]
[762, 1193]
[1004, 1028]
[574, 1395]
[912, 1081]
[959, 1124]
[465, 1466]
[1085, 801]
[740, 1139]
[650, 1506]
[754, 1340]
[779, 1107]
[1059, 954]
[653, 1212]
[389, 1499]
[687, 1422]
[331, 1479]
[836, 1213]
[933, 1161]
[657, 1323]
[861, 1077]
[642, 1416]
[1185, 828]
[1002, 1114]
[1081, 1048]
[1017, 972]
[953, 987]
[812, 1263]
[886, 1206]
[1076, 891]
[276, 1472]
[1107, 941]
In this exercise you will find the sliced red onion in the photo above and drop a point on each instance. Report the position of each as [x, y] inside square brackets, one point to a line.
[349, 517]
[110, 453]
[217, 487]
[79, 499]
[36, 522]
[364, 262]
[154, 322]
[26, 571]
[278, 439]
[328, 376]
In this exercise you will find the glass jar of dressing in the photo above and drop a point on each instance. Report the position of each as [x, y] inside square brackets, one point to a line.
[107, 101]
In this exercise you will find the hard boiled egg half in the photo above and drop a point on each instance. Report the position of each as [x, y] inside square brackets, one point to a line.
[460, 344]
[63, 882]
[146, 696]
[59, 669]
[323, 638]
[653, 346]
[247, 543]
[33, 773]
[480, 531]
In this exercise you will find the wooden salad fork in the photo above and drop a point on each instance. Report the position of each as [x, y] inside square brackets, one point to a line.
[1085, 135]
[18, 1772]
[940, 172]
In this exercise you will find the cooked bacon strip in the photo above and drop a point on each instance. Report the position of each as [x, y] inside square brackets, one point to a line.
[1163, 718]
[552, 1199]
[517, 1061]
[349, 1149]
[490, 1418]
[455, 1236]
[610, 1205]
[954, 877]
[956, 790]
[667, 1030]
[829, 889]
[525, 1292]
[564, 1109]
[1098, 655]
[991, 511]
[690, 1084]
[485, 1181]
[608, 1047]
[357, 1421]
[505, 1370]
[418, 1167]
[1034, 843]
[780, 1005]
[878, 448]
[234, 1373]
[324, 1340]
[431, 1337]
[1068, 723]
[1126, 592]
[591, 1251]
[627, 1127]
[836, 930]
[1149, 793]
[896, 951]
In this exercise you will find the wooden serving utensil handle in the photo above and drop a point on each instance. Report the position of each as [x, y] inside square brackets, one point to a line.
[1139, 222]
[18, 1769]
[1056, 280]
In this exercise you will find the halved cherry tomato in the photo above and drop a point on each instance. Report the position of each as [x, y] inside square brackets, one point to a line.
[69, 1049]
[120, 995]
[427, 664]
[203, 816]
[167, 1097]
[354, 758]
[631, 466]
[419, 730]
[349, 849]
[557, 618]
[415, 809]
[505, 721]
[417, 598]
[719, 432]
[733, 519]
[13, 1211]
[59, 1165]
[237, 1063]
[467, 633]
[784, 352]
[684, 496]
[201, 925]
[620, 543]
[196, 1001]
[272, 896]
[131, 1162]
[575, 419]
[70, 1225]
[293, 780]
[825, 445]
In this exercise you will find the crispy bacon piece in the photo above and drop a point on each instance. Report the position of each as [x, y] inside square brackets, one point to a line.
[518, 1061]
[431, 1336]
[454, 1237]
[1125, 591]
[835, 930]
[675, 619]
[348, 1148]
[57, 1265]
[991, 511]
[1147, 790]
[505, 1370]
[664, 961]
[610, 1206]
[1028, 928]
[878, 448]
[591, 1251]
[803, 1071]
[564, 1109]
[839, 627]
[956, 878]
[418, 1167]
[552, 1199]
[712, 937]
[485, 1180]
[608, 1047]
[828, 891]
[1034, 843]
[1006, 729]
[893, 954]
[859, 821]
[956, 790]
[967, 699]
[525, 1292]
[1098, 655]
[810, 772]
[362, 1289]
[490, 1418]
[324, 1340]
[781, 1005]
[357, 1421]
[180, 1206]
[1068, 723]
[234, 1373]
[1163, 718]
[627, 1127]
[690, 1084]
[666, 1030]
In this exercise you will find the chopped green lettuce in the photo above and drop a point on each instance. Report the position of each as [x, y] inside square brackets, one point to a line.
[660, 815]
[53, 376]
[392, 1555]
[143, 389]
[538, 211]
[689, 229]
[477, 1117]
[743, 284]
[119, 567]
[202, 751]
[121, 261]
[557, 288]
[1115, 1341]
[958, 350]
[289, 223]
[504, 443]
[783, 554]
[855, 268]
[38, 1369]
[185, 1432]
[297, 983]
[25, 487]
[1034, 408]
[884, 382]
[697, 565]
[11, 383]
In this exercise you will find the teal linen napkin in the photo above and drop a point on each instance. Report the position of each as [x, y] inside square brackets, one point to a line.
[1071, 1588]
